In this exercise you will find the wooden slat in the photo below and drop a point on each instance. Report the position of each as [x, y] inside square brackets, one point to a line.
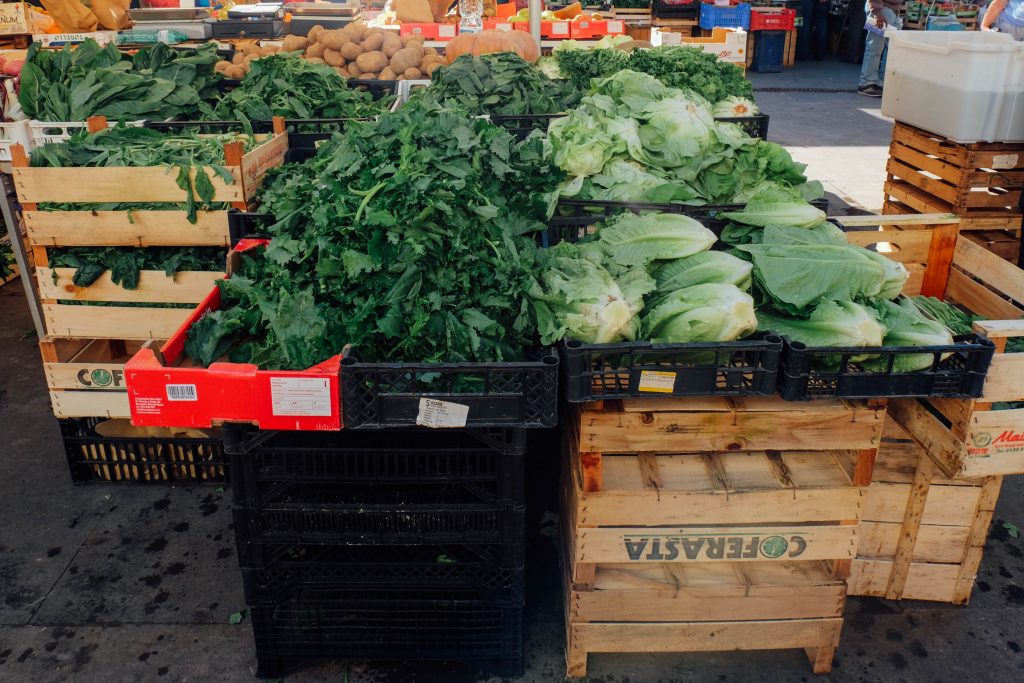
[940, 257]
[714, 544]
[107, 377]
[934, 582]
[908, 529]
[258, 161]
[978, 299]
[67, 404]
[1000, 329]
[944, 505]
[186, 287]
[115, 184]
[976, 543]
[952, 173]
[911, 220]
[935, 543]
[907, 246]
[996, 273]
[114, 323]
[994, 444]
[1005, 380]
[124, 229]
[932, 186]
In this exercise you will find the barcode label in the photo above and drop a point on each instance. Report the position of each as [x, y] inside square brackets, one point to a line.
[181, 392]
[441, 414]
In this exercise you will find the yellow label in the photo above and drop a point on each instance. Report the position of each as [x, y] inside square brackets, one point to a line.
[657, 382]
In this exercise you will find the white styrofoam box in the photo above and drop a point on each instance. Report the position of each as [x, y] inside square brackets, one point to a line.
[14, 133]
[967, 86]
[729, 45]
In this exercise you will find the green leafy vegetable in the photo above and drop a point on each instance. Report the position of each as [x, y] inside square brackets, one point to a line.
[701, 313]
[631, 240]
[905, 325]
[708, 267]
[831, 323]
[125, 263]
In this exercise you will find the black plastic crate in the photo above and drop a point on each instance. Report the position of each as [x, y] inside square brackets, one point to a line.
[747, 367]
[755, 126]
[502, 394]
[392, 467]
[820, 372]
[675, 9]
[439, 567]
[93, 457]
[396, 623]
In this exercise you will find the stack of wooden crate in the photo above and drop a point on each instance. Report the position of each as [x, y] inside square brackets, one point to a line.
[980, 182]
[712, 523]
[86, 345]
[941, 464]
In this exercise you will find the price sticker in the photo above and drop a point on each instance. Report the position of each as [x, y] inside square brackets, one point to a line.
[657, 382]
[441, 414]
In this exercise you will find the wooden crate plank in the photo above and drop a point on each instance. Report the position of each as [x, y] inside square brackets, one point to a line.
[186, 287]
[945, 505]
[940, 257]
[93, 376]
[995, 272]
[934, 582]
[715, 544]
[111, 404]
[952, 173]
[994, 444]
[256, 163]
[1005, 380]
[912, 516]
[935, 187]
[115, 184]
[976, 543]
[114, 323]
[905, 246]
[935, 543]
[707, 636]
[124, 229]
[978, 299]
[668, 432]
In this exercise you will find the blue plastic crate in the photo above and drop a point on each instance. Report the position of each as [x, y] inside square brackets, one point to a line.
[736, 16]
[769, 47]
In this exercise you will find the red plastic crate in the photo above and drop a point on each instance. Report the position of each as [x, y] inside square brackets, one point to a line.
[596, 29]
[431, 31]
[772, 19]
[492, 23]
[162, 393]
[548, 29]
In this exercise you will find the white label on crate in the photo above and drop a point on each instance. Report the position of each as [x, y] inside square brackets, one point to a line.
[560, 28]
[446, 31]
[435, 414]
[1001, 162]
[181, 392]
[657, 382]
[300, 396]
[616, 27]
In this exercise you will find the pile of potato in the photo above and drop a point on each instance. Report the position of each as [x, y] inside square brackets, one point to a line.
[356, 51]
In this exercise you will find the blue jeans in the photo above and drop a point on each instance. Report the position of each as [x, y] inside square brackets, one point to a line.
[812, 38]
[872, 71]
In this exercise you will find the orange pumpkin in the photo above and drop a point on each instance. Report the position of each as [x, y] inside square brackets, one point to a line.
[486, 42]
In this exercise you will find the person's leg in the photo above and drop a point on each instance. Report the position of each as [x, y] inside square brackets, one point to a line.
[803, 34]
[820, 29]
[854, 33]
[873, 45]
[892, 20]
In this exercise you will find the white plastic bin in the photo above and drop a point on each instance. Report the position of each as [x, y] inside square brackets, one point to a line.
[967, 86]
[14, 133]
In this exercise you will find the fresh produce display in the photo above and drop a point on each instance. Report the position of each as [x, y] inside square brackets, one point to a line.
[283, 85]
[133, 146]
[156, 83]
[635, 139]
[643, 277]
[356, 51]
[125, 263]
[408, 237]
[686, 68]
[499, 83]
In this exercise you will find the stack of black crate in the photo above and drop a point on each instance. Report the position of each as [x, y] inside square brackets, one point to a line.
[382, 544]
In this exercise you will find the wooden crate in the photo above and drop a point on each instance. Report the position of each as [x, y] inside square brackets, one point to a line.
[711, 524]
[85, 377]
[969, 439]
[923, 534]
[1003, 243]
[928, 173]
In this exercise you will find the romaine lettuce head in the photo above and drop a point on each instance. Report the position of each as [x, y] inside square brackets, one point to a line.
[896, 275]
[906, 325]
[628, 181]
[777, 207]
[702, 313]
[579, 298]
[832, 323]
[631, 239]
[707, 267]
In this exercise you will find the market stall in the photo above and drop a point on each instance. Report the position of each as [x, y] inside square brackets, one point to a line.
[384, 276]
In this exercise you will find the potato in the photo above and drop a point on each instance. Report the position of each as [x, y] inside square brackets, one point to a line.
[316, 50]
[333, 57]
[430, 67]
[431, 52]
[353, 70]
[314, 33]
[268, 50]
[373, 61]
[238, 58]
[334, 40]
[351, 51]
[369, 76]
[372, 42]
[248, 48]
[220, 66]
[292, 43]
[401, 78]
[316, 60]
[234, 71]
[405, 58]
[387, 74]
[391, 44]
[249, 58]
[341, 71]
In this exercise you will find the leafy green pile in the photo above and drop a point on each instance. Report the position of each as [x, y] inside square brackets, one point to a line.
[407, 237]
[635, 139]
[686, 68]
[643, 276]
[287, 85]
[502, 83]
[813, 286]
[125, 263]
[157, 83]
[132, 146]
